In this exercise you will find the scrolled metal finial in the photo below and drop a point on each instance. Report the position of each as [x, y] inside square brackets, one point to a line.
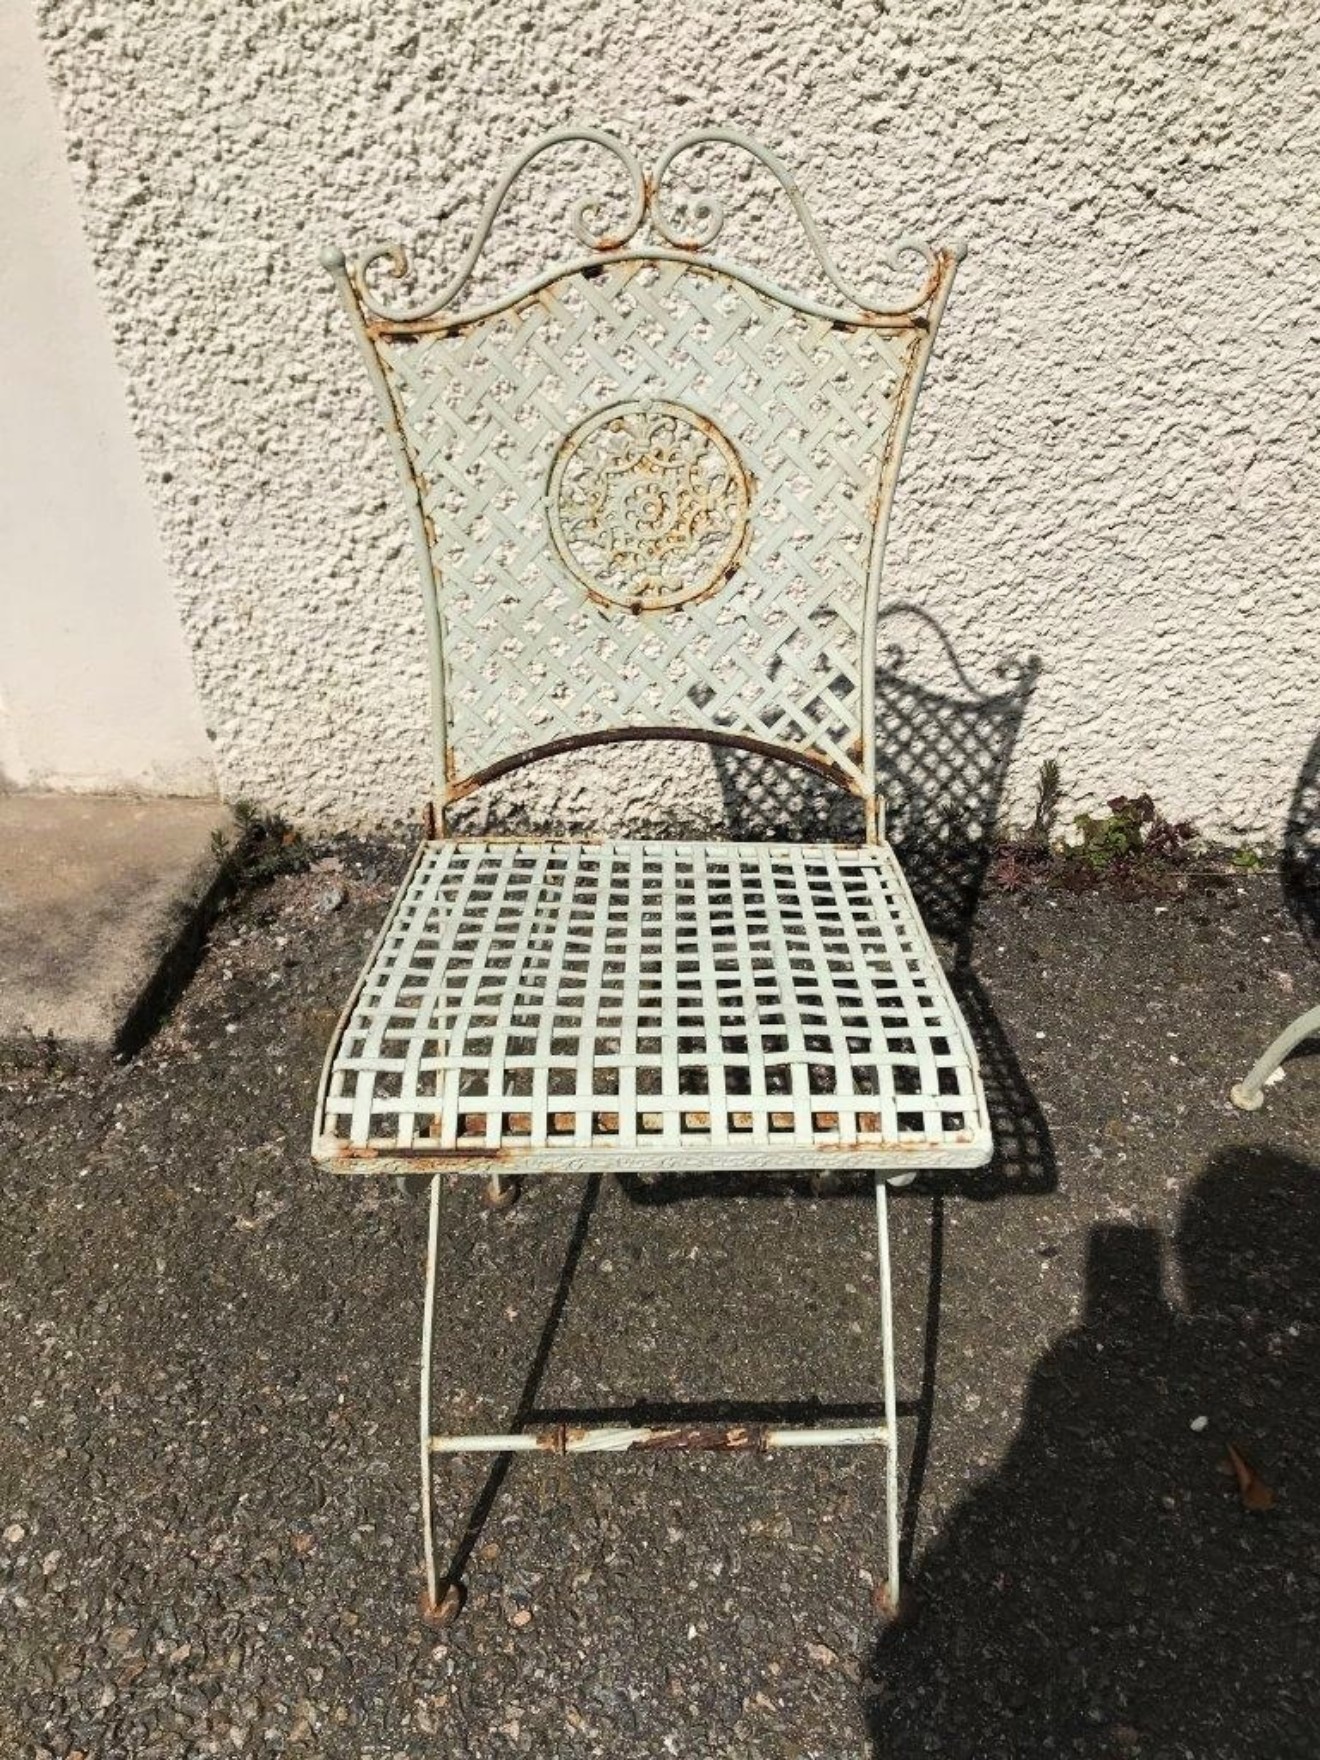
[704, 224]
[397, 258]
[709, 217]
[585, 223]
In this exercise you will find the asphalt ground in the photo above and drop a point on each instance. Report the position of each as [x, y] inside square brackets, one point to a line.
[208, 1497]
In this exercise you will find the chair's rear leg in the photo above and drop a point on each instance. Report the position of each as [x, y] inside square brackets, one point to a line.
[442, 1602]
[891, 1392]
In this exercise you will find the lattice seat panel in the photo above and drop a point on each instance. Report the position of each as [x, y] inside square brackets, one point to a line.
[802, 411]
[563, 1005]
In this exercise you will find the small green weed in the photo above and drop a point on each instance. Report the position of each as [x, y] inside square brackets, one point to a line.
[1049, 792]
[1024, 861]
[1132, 847]
[266, 846]
[1132, 833]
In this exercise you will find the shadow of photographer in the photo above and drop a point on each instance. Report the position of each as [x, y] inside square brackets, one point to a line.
[1109, 1591]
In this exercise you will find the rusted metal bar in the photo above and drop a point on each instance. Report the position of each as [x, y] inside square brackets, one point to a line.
[459, 787]
[500, 1194]
[664, 1438]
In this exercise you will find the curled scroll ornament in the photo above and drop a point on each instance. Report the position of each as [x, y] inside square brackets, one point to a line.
[708, 213]
[585, 222]
[706, 222]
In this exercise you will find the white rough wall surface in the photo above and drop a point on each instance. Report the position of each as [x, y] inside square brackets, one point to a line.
[96, 689]
[1113, 467]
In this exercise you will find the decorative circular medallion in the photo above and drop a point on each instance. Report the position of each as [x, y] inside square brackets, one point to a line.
[648, 504]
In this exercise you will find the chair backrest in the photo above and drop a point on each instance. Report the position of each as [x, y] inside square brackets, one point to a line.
[649, 488]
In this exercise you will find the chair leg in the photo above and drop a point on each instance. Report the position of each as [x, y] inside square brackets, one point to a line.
[1248, 1095]
[499, 1192]
[442, 1602]
[891, 1392]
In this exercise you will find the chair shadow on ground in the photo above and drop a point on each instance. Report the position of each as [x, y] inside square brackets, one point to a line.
[1299, 869]
[1299, 863]
[1107, 1591]
[945, 749]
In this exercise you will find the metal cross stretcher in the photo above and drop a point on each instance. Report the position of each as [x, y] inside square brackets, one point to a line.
[649, 491]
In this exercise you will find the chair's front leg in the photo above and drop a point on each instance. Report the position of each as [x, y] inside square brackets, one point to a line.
[442, 1602]
[891, 1391]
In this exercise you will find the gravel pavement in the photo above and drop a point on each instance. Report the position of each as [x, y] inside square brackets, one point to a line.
[208, 1506]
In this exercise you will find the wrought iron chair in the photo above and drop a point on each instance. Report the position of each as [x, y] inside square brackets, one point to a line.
[649, 492]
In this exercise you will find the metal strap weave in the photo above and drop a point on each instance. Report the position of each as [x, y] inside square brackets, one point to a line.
[649, 489]
[572, 1006]
[774, 651]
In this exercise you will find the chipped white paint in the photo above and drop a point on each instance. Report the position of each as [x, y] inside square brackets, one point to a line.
[724, 1005]
[1113, 467]
[491, 414]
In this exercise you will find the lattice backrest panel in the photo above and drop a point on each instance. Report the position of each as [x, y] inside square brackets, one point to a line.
[650, 495]
[649, 492]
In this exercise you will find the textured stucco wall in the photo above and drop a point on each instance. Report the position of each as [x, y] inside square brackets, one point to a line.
[96, 691]
[1114, 465]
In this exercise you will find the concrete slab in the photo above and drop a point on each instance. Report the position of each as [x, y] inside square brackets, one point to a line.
[96, 895]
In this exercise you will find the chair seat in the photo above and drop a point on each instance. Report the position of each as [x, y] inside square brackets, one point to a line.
[562, 1007]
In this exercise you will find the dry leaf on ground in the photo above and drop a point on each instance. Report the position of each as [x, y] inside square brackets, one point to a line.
[1252, 1489]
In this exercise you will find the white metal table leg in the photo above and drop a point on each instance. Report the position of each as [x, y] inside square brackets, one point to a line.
[891, 1390]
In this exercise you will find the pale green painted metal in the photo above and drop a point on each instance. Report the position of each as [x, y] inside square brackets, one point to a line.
[649, 492]
[1249, 1094]
[444, 1599]
[661, 1439]
[813, 399]
[548, 1007]
[645, 202]
[424, 1403]
[890, 1382]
